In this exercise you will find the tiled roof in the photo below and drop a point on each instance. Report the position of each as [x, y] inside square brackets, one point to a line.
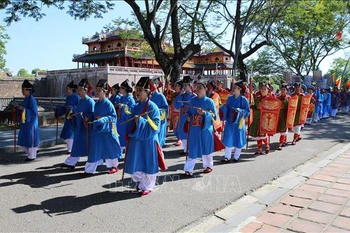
[100, 56]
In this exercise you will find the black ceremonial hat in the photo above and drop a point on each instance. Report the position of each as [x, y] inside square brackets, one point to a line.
[180, 83]
[72, 85]
[126, 86]
[284, 85]
[116, 87]
[84, 83]
[187, 79]
[143, 83]
[27, 85]
[103, 84]
[240, 84]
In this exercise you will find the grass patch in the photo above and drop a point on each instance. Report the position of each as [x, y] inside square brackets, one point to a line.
[6, 127]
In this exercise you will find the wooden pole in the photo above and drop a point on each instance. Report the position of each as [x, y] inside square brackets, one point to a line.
[126, 154]
[14, 130]
[56, 128]
[250, 101]
[188, 138]
[87, 139]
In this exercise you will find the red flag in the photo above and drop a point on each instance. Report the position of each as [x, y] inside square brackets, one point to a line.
[339, 35]
[338, 82]
[348, 84]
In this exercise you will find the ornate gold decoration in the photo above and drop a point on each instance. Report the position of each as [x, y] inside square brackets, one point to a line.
[271, 105]
[269, 121]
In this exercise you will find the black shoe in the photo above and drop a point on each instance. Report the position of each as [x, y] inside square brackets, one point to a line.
[28, 160]
[235, 160]
[188, 174]
[226, 160]
[67, 166]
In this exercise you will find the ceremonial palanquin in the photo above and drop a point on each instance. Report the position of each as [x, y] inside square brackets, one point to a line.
[270, 108]
[304, 108]
[292, 109]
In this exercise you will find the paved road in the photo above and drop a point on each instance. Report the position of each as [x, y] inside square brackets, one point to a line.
[47, 138]
[40, 196]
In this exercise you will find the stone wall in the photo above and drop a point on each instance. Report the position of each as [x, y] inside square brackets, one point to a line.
[55, 83]
[11, 87]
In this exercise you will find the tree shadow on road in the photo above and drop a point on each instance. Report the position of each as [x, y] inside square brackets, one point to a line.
[42, 178]
[18, 157]
[73, 204]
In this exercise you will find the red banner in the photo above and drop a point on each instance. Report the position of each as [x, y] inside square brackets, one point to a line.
[175, 117]
[292, 109]
[304, 108]
[269, 115]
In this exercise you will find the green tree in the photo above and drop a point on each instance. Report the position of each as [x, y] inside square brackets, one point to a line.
[129, 30]
[3, 40]
[238, 20]
[306, 34]
[340, 68]
[37, 70]
[24, 73]
[268, 64]
[155, 21]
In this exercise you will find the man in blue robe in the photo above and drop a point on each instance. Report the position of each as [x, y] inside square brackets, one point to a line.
[201, 115]
[84, 113]
[141, 159]
[124, 106]
[160, 100]
[327, 99]
[318, 105]
[182, 102]
[28, 136]
[115, 94]
[71, 103]
[335, 95]
[234, 113]
[104, 142]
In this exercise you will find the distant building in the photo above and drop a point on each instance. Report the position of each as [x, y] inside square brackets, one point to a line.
[110, 49]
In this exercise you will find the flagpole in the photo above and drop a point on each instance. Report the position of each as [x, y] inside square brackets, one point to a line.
[342, 75]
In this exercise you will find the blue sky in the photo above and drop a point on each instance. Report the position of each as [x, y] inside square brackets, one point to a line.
[51, 42]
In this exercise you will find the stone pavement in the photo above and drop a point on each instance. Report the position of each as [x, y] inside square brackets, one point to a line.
[320, 204]
[47, 139]
[316, 200]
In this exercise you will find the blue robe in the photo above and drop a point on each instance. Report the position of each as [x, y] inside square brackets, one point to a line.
[327, 99]
[28, 135]
[160, 100]
[319, 103]
[114, 99]
[201, 140]
[128, 104]
[86, 106]
[233, 136]
[71, 103]
[183, 106]
[142, 150]
[104, 142]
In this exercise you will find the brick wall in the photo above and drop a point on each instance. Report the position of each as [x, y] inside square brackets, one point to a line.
[12, 87]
